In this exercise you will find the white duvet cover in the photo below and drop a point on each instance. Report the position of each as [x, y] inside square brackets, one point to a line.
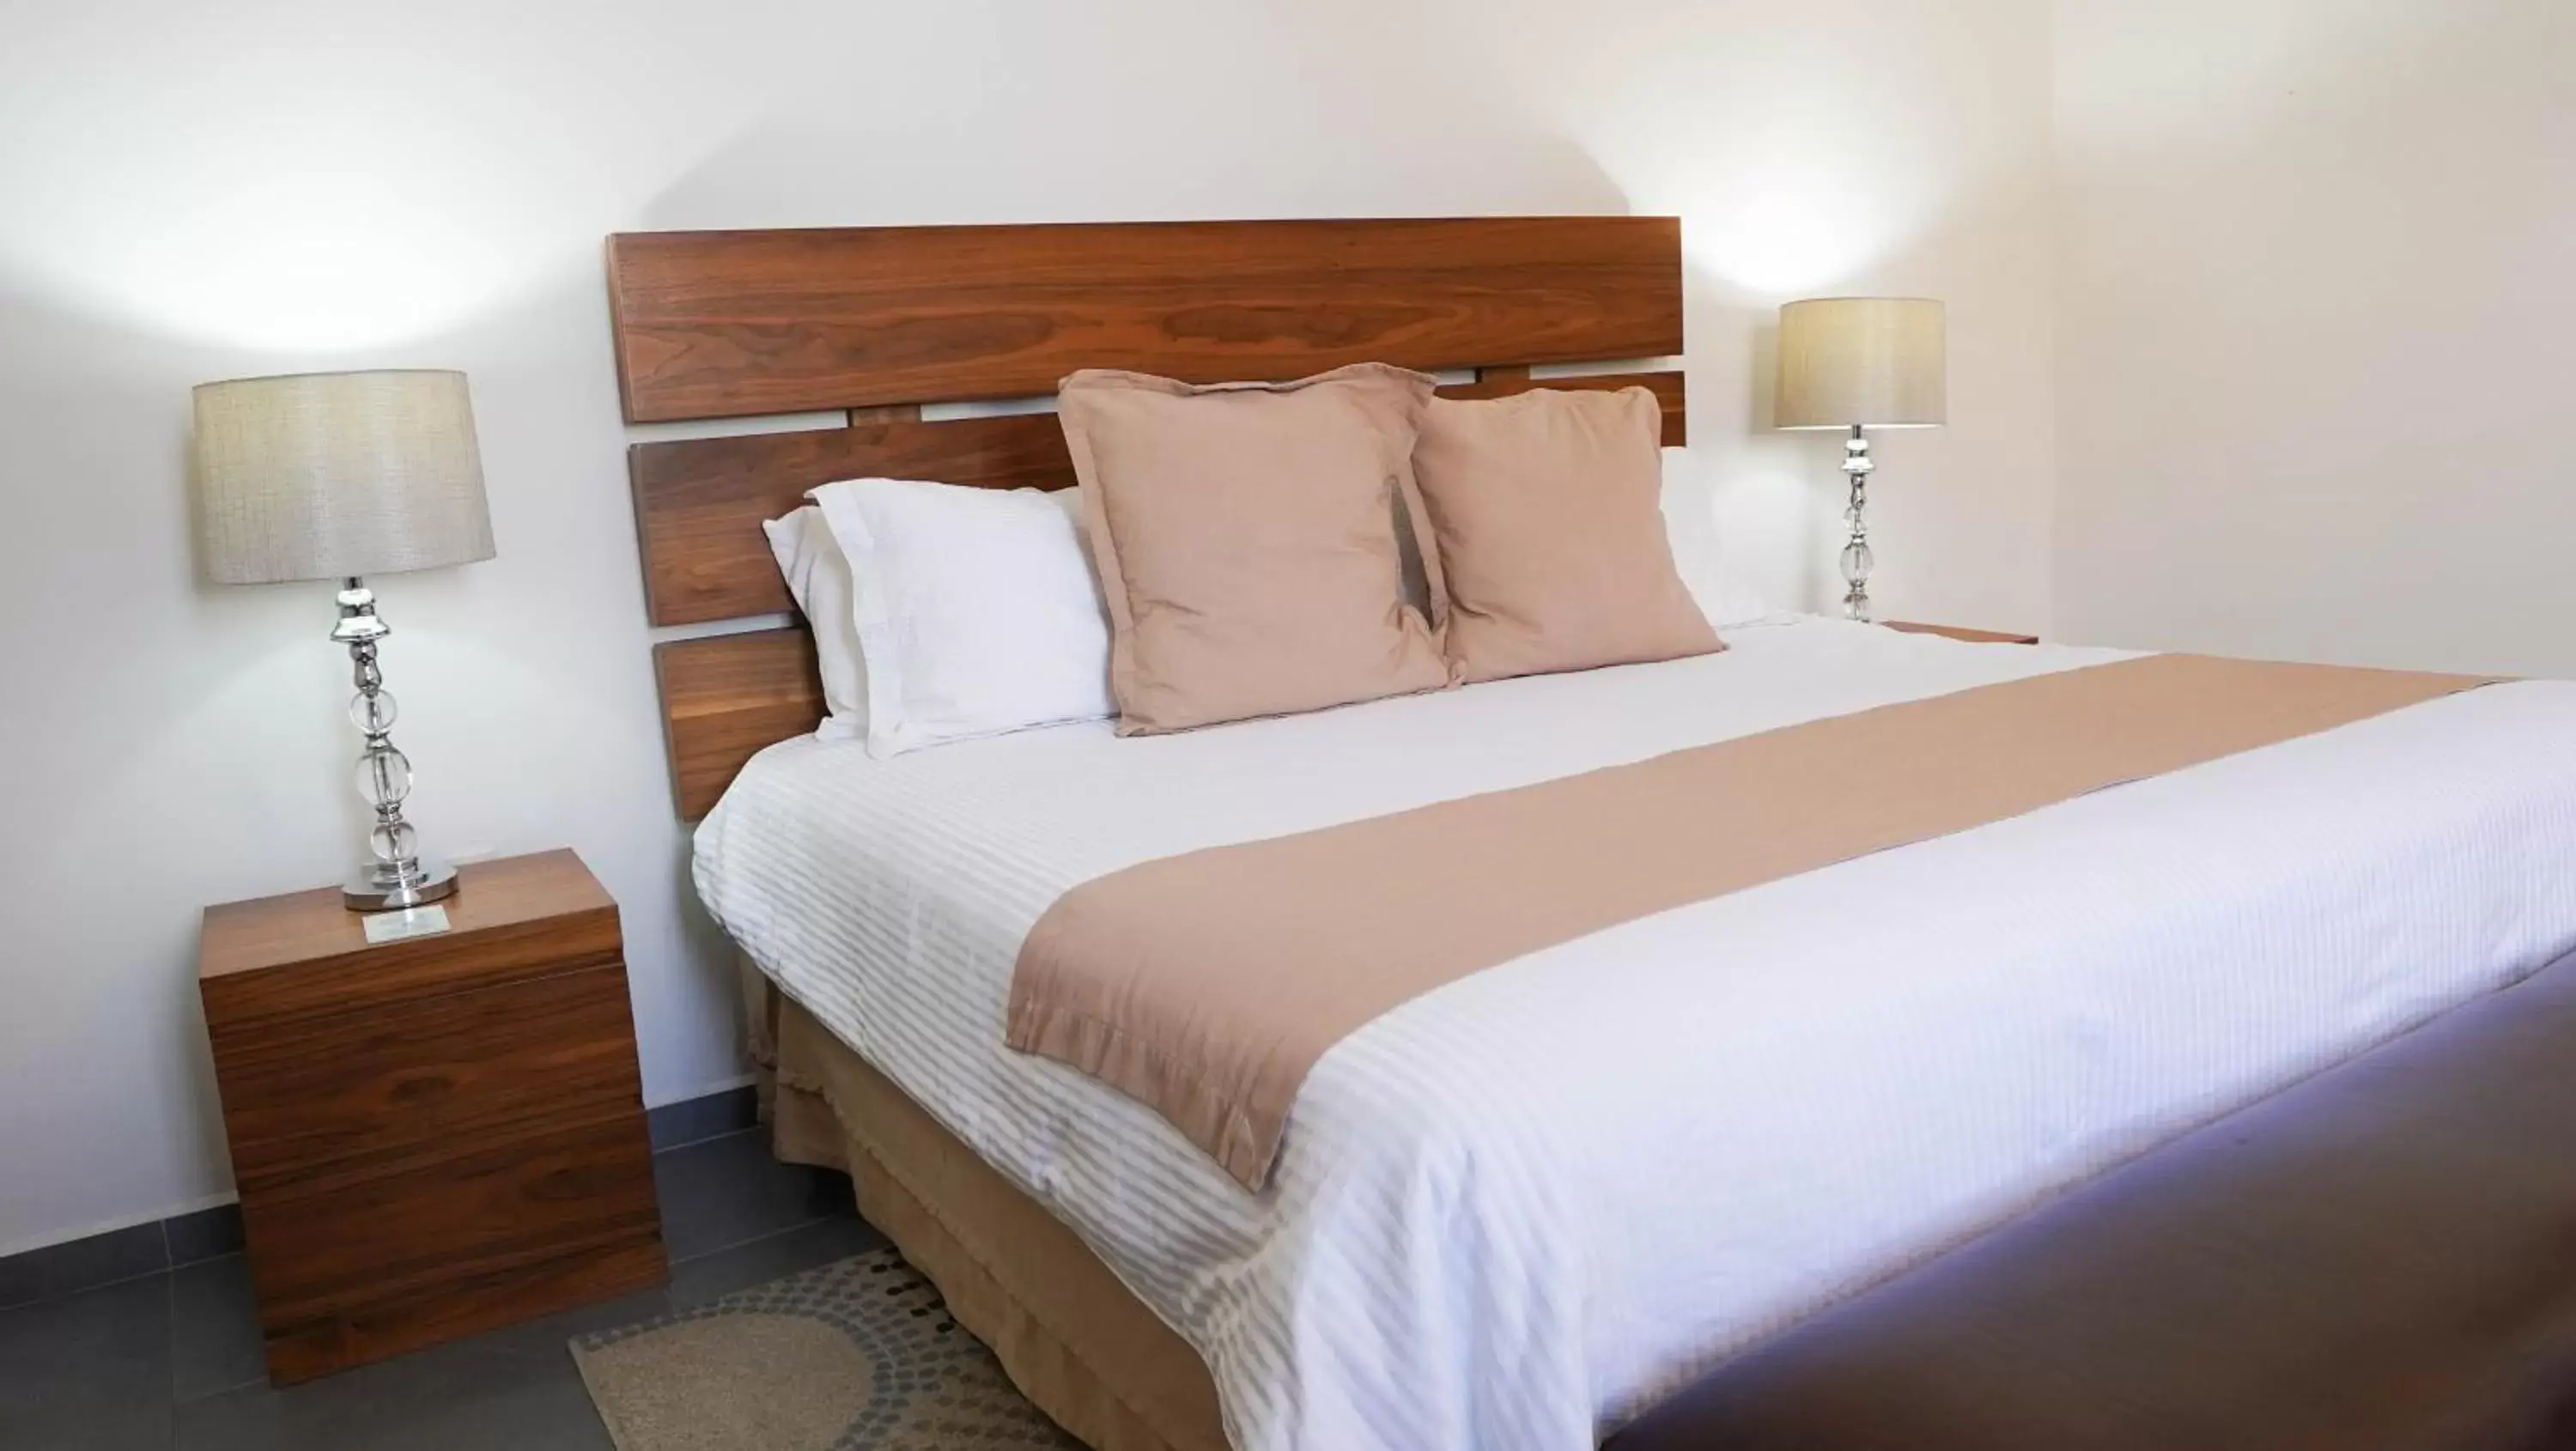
[1512, 1212]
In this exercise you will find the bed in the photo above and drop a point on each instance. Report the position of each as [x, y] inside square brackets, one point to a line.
[1518, 1210]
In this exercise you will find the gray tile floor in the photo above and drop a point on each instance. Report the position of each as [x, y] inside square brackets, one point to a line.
[171, 1361]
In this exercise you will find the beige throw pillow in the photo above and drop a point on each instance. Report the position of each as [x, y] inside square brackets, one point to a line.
[1547, 507]
[1246, 540]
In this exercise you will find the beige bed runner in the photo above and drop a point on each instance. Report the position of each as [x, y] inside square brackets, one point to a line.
[1206, 985]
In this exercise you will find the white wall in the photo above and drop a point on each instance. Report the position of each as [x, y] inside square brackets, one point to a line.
[196, 192]
[2317, 329]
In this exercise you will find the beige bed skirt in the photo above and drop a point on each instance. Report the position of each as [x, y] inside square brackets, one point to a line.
[1075, 1340]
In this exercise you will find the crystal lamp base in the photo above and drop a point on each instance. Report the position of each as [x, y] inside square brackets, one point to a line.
[380, 889]
[398, 877]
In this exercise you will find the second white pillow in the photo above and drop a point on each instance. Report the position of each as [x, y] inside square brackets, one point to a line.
[809, 559]
[977, 609]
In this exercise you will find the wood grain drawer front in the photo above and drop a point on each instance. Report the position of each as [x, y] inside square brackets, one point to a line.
[343, 1243]
[376, 1089]
[352, 1269]
[420, 967]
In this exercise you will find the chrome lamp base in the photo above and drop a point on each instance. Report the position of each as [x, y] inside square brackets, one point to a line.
[378, 889]
[397, 877]
[1857, 559]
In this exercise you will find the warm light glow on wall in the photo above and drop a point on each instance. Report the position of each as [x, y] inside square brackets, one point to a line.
[1792, 215]
[294, 249]
[1800, 156]
[1786, 230]
[326, 197]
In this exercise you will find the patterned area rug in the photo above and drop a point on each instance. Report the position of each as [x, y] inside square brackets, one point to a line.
[859, 1355]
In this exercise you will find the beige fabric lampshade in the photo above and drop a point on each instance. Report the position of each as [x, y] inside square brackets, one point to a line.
[325, 475]
[1877, 361]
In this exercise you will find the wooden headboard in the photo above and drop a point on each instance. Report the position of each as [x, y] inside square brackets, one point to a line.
[879, 321]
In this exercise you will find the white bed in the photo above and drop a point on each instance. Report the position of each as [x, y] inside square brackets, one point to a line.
[1513, 1211]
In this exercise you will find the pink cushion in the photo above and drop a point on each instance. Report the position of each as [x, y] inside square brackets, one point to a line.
[1246, 540]
[1547, 511]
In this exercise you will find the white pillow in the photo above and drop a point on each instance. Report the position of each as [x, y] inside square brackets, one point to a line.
[818, 576]
[977, 609]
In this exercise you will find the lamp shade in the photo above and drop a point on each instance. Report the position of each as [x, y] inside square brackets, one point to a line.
[1873, 361]
[327, 475]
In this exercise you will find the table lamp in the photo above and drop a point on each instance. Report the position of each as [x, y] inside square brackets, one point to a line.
[1860, 363]
[340, 476]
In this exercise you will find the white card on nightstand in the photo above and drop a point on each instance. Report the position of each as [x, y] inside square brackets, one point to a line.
[409, 922]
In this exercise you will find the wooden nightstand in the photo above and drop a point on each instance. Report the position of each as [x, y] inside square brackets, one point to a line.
[1962, 632]
[437, 1135]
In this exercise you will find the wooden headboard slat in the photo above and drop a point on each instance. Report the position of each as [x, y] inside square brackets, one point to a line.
[726, 696]
[699, 502]
[726, 324]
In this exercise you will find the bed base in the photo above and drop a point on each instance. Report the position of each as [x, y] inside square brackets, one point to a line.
[2383, 1255]
[1070, 1335]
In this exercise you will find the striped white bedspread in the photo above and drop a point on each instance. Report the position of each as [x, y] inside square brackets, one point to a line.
[1512, 1212]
